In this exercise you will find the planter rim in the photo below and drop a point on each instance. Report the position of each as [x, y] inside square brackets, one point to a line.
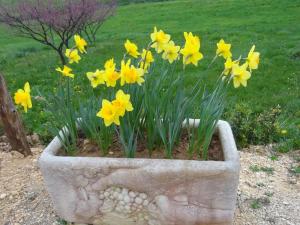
[223, 130]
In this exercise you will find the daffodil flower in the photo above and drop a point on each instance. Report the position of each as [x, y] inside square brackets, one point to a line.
[131, 49]
[109, 113]
[122, 103]
[159, 40]
[223, 49]
[111, 76]
[171, 52]
[146, 59]
[228, 65]
[23, 98]
[253, 58]
[80, 43]
[110, 64]
[96, 78]
[191, 51]
[66, 71]
[72, 55]
[130, 74]
[240, 75]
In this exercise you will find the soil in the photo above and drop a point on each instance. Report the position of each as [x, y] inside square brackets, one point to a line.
[90, 149]
[269, 192]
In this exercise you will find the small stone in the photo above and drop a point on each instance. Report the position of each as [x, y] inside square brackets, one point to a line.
[126, 199]
[132, 194]
[151, 207]
[120, 197]
[138, 200]
[17, 155]
[31, 196]
[143, 195]
[101, 196]
[122, 203]
[106, 194]
[35, 138]
[3, 196]
[116, 195]
[145, 203]
[125, 192]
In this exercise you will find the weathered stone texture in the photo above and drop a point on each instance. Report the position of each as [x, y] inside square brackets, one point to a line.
[113, 191]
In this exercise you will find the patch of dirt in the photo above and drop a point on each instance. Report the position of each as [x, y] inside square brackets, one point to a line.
[266, 196]
[23, 198]
[90, 149]
[269, 193]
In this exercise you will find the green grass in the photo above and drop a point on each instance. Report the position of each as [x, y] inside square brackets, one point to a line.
[273, 26]
[268, 170]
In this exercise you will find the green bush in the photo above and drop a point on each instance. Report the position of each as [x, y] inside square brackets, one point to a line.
[290, 140]
[265, 127]
[254, 128]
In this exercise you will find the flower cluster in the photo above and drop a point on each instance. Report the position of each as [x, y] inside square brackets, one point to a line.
[73, 56]
[239, 73]
[136, 64]
[112, 111]
[162, 43]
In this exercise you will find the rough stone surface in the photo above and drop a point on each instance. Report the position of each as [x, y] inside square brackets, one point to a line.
[166, 192]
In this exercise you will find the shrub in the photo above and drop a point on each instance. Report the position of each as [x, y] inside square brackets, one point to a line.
[265, 127]
[254, 128]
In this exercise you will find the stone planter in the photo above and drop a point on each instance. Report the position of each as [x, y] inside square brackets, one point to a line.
[114, 191]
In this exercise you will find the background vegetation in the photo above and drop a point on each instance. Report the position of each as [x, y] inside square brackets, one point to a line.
[272, 25]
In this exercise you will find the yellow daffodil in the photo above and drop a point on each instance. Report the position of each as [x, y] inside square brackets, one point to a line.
[23, 98]
[80, 43]
[109, 113]
[131, 49]
[122, 103]
[223, 49]
[66, 71]
[110, 64]
[240, 75]
[171, 52]
[96, 78]
[111, 76]
[253, 59]
[228, 65]
[72, 55]
[159, 39]
[147, 59]
[191, 51]
[130, 74]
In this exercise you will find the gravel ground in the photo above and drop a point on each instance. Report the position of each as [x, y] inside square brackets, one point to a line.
[269, 191]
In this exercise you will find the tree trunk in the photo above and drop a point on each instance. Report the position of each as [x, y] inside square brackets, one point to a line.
[13, 127]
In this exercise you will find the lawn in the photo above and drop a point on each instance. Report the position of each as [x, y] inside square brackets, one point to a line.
[273, 26]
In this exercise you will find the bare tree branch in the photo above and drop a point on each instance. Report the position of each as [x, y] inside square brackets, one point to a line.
[54, 23]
